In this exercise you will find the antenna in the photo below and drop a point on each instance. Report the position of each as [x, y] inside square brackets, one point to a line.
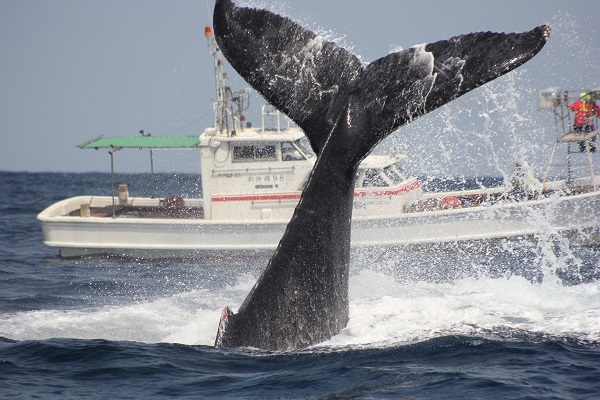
[208, 11]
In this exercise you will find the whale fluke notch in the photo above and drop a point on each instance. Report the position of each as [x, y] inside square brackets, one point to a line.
[345, 109]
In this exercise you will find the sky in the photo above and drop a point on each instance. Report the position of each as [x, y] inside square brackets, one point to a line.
[72, 70]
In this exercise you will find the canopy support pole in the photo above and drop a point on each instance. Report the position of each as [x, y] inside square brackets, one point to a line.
[112, 178]
[152, 174]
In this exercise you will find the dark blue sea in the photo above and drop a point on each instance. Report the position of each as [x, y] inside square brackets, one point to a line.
[503, 320]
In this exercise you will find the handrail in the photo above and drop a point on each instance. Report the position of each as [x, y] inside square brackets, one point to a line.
[253, 170]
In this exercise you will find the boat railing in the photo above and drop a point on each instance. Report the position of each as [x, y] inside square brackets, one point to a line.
[557, 101]
[252, 170]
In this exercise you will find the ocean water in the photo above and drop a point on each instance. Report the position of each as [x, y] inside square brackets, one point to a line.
[507, 320]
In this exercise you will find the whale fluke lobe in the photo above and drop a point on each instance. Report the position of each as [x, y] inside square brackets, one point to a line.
[293, 68]
[345, 109]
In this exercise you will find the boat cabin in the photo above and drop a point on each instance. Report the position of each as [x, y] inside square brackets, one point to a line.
[256, 174]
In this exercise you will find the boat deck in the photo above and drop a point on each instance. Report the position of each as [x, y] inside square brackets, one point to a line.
[126, 211]
[571, 137]
[433, 203]
[451, 200]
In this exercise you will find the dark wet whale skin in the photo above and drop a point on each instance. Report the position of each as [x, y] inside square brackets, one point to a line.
[345, 109]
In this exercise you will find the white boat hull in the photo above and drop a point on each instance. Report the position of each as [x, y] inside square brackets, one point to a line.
[576, 217]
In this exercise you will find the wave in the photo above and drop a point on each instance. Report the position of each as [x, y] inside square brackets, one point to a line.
[444, 367]
[383, 312]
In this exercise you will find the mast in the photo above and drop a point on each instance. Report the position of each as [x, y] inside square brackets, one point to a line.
[558, 101]
[229, 105]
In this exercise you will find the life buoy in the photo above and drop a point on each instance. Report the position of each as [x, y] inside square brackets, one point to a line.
[173, 202]
[451, 202]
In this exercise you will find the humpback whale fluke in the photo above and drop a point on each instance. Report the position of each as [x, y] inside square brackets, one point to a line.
[345, 109]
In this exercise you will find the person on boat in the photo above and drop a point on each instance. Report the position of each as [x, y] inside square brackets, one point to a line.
[523, 184]
[585, 110]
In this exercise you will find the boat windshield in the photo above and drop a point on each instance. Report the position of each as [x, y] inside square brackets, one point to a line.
[373, 178]
[290, 153]
[392, 173]
[398, 166]
[304, 145]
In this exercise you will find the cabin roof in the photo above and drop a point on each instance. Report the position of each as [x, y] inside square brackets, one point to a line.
[258, 135]
[143, 142]
[381, 161]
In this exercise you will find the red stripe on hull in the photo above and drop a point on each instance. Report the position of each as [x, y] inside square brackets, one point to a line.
[295, 196]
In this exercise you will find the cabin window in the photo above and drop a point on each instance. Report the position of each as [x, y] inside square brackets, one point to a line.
[398, 166]
[252, 153]
[289, 152]
[373, 179]
[243, 153]
[304, 145]
[391, 172]
[265, 152]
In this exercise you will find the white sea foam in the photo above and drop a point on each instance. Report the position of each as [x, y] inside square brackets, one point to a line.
[415, 312]
[187, 318]
[383, 312]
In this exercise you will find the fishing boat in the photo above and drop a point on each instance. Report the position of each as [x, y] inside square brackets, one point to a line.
[252, 178]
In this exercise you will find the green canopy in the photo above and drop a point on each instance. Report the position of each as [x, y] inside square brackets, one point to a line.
[143, 142]
[594, 95]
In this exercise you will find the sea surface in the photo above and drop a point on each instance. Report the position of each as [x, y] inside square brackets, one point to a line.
[505, 320]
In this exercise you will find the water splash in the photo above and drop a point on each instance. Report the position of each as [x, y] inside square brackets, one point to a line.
[384, 311]
[485, 132]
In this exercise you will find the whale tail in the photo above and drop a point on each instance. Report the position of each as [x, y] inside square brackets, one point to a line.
[308, 78]
[345, 109]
